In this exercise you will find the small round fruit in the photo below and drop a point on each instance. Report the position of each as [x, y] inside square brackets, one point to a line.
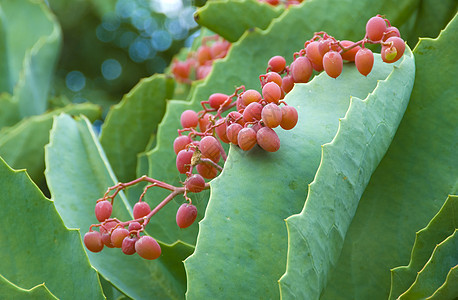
[250, 96]
[289, 117]
[186, 215]
[141, 209]
[218, 99]
[287, 83]
[252, 112]
[128, 245]
[183, 160]
[247, 138]
[195, 183]
[364, 61]
[375, 28]
[207, 171]
[273, 77]
[301, 69]
[134, 226]
[103, 210]
[268, 139]
[271, 92]
[390, 32]
[211, 148]
[349, 54]
[399, 48]
[148, 248]
[189, 119]
[105, 231]
[118, 235]
[181, 142]
[232, 132]
[271, 115]
[277, 64]
[204, 122]
[93, 241]
[313, 54]
[220, 128]
[333, 64]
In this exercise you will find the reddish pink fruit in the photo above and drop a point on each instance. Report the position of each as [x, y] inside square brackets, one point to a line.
[186, 215]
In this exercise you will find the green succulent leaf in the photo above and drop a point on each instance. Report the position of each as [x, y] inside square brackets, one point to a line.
[439, 228]
[11, 291]
[230, 19]
[32, 55]
[449, 289]
[78, 174]
[251, 221]
[411, 182]
[22, 145]
[130, 124]
[9, 114]
[39, 247]
[432, 276]
[245, 61]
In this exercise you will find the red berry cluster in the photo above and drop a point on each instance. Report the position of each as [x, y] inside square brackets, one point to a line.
[199, 63]
[285, 2]
[129, 236]
[198, 144]
[250, 124]
[324, 52]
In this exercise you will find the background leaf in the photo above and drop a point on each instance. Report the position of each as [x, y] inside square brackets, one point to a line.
[40, 248]
[78, 174]
[411, 182]
[130, 124]
[230, 19]
[433, 275]
[22, 145]
[439, 228]
[12, 291]
[32, 55]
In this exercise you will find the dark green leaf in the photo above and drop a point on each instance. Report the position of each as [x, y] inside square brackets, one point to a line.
[131, 123]
[11, 291]
[37, 247]
[230, 19]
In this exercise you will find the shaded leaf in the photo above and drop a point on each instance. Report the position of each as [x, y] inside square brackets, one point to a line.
[411, 182]
[32, 54]
[130, 124]
[439, 228]
[449, 289]
[40, 248]
[230, 19]
[9, 113]
[22, 145]
[254, 222]
[433, 274]
[78, 174]
[11, 291]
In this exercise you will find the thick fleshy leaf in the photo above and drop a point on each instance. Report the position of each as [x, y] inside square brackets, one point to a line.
[441, 226]
[11, 291]
[246, 60]
[254, 222]
[32, 54]
[230, 19]
[78, 174]
[130, 124]
[410, 184]
[9, 114]
[431, 18]
[5, 84]
[449, 289]
[36, 245]
[434, 273]
[22, 145]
